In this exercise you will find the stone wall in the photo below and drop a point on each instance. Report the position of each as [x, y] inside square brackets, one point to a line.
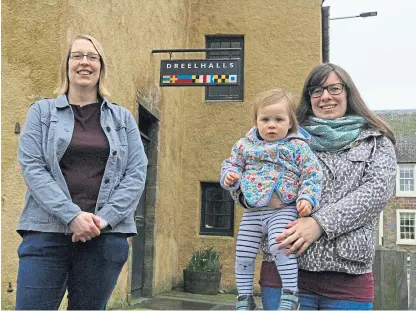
[282, 43]
[34, 38]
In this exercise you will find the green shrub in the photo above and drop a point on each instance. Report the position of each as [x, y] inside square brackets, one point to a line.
[205, 259]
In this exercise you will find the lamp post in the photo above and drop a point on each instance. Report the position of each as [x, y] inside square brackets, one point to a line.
[325, 29]
[365, 14]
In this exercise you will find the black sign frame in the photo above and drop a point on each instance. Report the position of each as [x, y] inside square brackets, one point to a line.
[200, 72]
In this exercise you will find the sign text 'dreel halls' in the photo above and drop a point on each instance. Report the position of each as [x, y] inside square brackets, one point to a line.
[200, 72]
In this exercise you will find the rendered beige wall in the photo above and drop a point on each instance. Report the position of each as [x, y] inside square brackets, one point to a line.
[34, 36]
[282, 43]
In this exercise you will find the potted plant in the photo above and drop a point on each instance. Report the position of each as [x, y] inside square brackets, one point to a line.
[202, 274]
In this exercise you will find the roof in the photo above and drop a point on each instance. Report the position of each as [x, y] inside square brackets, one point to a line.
[403, 123]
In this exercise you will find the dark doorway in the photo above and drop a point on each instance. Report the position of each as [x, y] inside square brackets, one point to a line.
[138, 240]
[142, 244]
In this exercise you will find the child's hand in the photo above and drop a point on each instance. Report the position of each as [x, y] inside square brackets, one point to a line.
[304, 208]
[231, 178]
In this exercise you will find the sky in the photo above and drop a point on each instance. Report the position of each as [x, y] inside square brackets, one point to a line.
[378, 52]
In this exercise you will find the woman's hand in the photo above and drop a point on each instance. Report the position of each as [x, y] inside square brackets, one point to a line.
[299, 234]
[85, 226]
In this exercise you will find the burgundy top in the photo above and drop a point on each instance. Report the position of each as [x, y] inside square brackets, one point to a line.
[84, 161]
[336, 285]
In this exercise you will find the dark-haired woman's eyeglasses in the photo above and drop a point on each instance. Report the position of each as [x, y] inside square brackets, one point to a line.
[333, 89]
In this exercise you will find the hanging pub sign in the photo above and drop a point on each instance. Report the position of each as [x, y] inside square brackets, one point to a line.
[200, 72]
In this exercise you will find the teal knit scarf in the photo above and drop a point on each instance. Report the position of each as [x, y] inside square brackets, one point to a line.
[332, 135]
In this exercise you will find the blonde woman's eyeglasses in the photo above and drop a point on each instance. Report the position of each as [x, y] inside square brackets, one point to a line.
[80, 56]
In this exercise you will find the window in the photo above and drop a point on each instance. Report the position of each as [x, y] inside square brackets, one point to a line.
[405, 180]
[217, 212]
[232, 92]
[406, 226]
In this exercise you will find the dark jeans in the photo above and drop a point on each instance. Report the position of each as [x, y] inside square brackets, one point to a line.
[50, 263]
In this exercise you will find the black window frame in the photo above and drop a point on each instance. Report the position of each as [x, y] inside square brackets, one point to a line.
[226, 197]
[212, 41]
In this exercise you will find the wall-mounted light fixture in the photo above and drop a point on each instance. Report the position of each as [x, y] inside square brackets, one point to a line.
[17, 128]
[365, 14]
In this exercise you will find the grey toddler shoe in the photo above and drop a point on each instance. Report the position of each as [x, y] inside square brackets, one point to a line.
[246, 302]
[289, 300]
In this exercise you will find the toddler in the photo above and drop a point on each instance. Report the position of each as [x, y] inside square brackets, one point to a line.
[279, 177]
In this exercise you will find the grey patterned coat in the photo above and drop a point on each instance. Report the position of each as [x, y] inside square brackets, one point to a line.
[357, 183]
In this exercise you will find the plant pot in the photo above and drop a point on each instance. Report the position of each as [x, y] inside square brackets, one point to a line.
[201, 282]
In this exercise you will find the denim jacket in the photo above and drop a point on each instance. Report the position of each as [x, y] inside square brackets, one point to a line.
[45, 137]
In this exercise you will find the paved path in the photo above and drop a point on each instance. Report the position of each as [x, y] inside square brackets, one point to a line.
[185, 301]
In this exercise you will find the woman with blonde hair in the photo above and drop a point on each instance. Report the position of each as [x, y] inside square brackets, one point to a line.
[84, 165]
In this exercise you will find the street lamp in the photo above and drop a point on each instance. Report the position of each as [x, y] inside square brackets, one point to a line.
[325, 29]
[365, 14]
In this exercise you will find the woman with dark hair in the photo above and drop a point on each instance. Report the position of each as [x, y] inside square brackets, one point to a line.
[84, 165]
[335, 243]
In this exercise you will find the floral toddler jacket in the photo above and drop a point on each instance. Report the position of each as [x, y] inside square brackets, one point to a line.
[357, 183]
[287, 166]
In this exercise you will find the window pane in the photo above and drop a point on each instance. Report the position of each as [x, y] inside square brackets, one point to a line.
[209, 208]
[407, 179]
[407, 225]
[217, 210]
[401, 185]
[214, 194]
[225, 44]
[406, 185]
[222, 208]
[215, 45]
[223, 222]
[225, 54]
[209, 221]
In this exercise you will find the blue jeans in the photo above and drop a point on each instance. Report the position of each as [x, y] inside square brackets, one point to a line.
[270, 297]
[50, 263]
